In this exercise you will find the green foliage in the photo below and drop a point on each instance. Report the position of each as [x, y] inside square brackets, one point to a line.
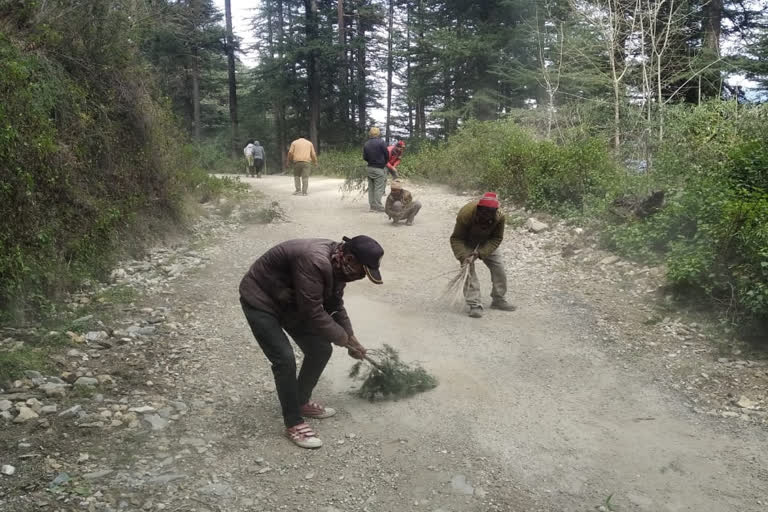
[390, 377]
[564, 177]
[713, 232]
[89, 149]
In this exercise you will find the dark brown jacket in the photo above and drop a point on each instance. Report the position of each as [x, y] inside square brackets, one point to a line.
[468, 234]
[294, 281]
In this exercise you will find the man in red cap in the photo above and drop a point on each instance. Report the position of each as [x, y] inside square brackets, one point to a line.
[478, 233]
[298, 287]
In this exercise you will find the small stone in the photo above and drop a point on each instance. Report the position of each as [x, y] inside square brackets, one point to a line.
[25, 414]
[72, 411]
[609, 260]
[95, 336]
[86, 382]
[460, 485]
[31, 374]
[105, 380]
[83, 457]
[746, 403]
[535, 226]
[8, 470]
[729, 414]
[34, 404]
[310, 475]
[60, 479]
[49, 409]
[264, 470]
[157, 422]
[97, 474]
[82, 319]
[54, 390]
[142, 409]
[76, 353]
[6, 415]
[5, 405]
[146, 331]
[167, 478]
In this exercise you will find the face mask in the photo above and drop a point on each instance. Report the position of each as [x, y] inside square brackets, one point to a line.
[352, 272]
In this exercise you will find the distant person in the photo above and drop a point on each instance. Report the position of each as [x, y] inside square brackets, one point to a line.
[376, 155]
[395, 155]
[298, 287]
[301, 154]
[258, 158]
[248, 151]
[400, 204]
[477, 234]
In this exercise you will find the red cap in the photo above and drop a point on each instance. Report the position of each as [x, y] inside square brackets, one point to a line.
[489, 200]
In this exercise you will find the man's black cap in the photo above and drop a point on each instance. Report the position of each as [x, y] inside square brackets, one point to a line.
[368, 252]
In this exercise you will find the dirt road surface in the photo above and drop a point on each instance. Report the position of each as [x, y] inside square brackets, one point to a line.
[530, 414]
[548, 408]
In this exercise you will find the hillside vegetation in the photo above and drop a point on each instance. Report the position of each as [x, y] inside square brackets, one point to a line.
[92, 161]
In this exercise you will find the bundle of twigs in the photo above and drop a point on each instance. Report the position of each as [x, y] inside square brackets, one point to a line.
[386, 376]
[355, 180]
[453, 295]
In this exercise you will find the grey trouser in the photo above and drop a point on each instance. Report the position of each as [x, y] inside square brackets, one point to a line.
[377, 182]
[408, 213]
[495, 264]
[301, 176]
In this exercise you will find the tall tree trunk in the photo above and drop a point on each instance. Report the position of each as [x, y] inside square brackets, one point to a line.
[282, 137]
[362, 100]
[408, 69]
[390, 68]
[421, 115]
[712, 28]
[232, 81]
[196, 69]
[310, 7]
[343, 89]
[196, 91]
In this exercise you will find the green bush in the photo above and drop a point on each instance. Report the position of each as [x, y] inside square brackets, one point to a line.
[89, 151]
[567, 177]
[713, 231]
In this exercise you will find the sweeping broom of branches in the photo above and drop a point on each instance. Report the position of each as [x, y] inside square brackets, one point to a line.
[355, 180]
[453, 295]
[388, 377]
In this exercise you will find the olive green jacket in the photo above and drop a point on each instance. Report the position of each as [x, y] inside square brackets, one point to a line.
[467, 234]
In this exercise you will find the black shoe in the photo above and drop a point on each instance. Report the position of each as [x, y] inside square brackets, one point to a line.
[475, 312]
[502, 305]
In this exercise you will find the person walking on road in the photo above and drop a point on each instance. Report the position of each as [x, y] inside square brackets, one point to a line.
[249, 160]
[258, 158]
[478, 232]
[395, 156]
[400, 204]
[298, 287]
[376, 155]
[301, 154]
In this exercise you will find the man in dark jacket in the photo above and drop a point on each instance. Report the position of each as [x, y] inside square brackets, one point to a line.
[298, 286]
[477, 234]
[376, 154]
[258, 158]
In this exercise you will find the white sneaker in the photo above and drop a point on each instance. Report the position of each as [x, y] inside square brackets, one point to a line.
[303, 435]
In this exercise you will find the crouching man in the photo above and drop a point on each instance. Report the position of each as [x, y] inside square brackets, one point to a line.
[400, 204]
[298, 287]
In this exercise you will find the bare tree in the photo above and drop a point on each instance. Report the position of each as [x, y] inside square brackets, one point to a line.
[390, 67]
[230, 46]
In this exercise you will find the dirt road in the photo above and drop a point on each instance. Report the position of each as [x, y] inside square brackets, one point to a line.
[570, 400]
[530, 414]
